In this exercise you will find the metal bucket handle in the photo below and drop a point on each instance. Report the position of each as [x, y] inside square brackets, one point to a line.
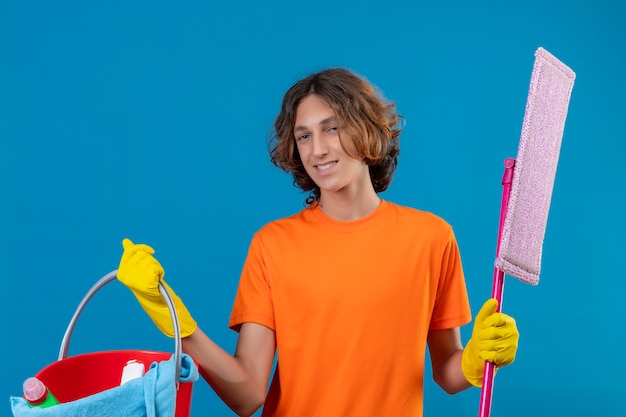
[65, 344]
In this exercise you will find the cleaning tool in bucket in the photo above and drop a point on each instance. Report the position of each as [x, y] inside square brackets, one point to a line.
[89, 384]
[37, 394]
[527, 185]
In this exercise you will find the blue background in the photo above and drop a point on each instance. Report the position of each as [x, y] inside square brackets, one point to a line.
[148, 120]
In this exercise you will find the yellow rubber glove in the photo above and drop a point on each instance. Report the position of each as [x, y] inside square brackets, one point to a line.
[494, 339]
[141, 272]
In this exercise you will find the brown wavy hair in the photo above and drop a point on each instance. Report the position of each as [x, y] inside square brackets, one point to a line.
[363, 112]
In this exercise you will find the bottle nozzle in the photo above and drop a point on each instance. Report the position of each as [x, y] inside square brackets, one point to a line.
[34, 389]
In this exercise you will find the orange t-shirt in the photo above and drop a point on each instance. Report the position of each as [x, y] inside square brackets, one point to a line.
[351, 304]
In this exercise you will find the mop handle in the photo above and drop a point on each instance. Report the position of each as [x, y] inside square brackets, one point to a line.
[497, 289]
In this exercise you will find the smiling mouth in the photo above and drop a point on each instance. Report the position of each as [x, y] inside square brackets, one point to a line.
[325, 166]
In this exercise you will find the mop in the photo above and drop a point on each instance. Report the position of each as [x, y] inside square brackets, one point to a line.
[527, 182]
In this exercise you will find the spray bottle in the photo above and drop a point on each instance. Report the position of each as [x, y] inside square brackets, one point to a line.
[37, 394]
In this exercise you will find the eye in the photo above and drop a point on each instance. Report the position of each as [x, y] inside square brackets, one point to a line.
[303, 137]
[332, 129]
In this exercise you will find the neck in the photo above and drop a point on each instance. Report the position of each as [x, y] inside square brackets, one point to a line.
[345, 207]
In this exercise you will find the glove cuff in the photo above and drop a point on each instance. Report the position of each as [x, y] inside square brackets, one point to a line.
[157, 310]
[472, 366]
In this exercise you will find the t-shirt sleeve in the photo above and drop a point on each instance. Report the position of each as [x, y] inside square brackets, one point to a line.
[253, 301]
[452, 307]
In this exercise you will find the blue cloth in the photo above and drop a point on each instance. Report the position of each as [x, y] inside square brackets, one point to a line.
[153, 395]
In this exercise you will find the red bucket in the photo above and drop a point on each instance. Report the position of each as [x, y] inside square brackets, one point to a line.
[79, 376]
[76, 377]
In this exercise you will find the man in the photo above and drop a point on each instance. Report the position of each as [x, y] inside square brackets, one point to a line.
[350, 290]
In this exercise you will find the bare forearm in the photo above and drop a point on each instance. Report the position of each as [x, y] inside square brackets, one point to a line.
[228, 377]
[449, 375]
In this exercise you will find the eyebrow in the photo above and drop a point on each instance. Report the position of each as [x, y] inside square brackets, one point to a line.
[326, 121]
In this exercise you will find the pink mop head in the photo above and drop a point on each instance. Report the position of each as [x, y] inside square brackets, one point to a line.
[535, 168]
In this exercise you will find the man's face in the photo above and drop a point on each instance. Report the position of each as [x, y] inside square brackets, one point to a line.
[317, 133]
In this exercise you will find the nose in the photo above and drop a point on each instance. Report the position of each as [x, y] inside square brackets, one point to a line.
[320, 147]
